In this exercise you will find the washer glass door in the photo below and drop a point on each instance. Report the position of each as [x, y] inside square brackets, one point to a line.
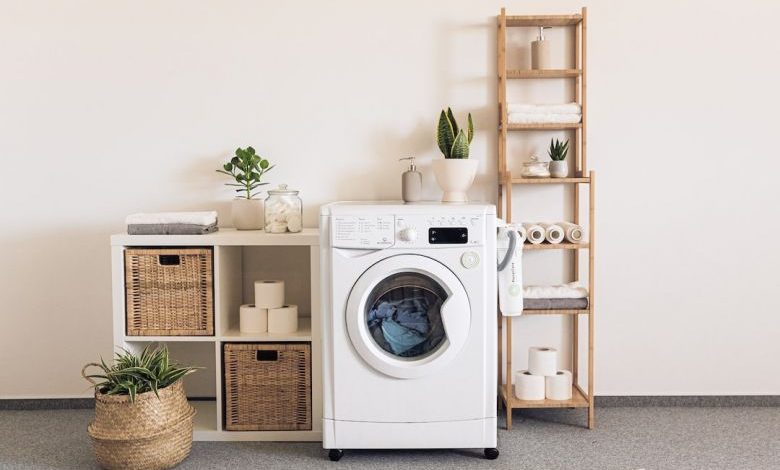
[403, 314]
[408, 316]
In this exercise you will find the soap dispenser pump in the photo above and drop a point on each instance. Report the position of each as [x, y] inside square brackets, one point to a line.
[411, 182]
[540, 51]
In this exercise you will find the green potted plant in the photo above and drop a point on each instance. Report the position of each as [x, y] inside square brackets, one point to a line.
[247, 170]
[142, 418]
[455, 172]
[557, 152]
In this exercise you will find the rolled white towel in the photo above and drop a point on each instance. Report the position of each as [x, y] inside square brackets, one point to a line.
[538, 118]
[573, 232]
[534, 233]
[563, 108]
[553, 233]
[572, 290]
[191, 218]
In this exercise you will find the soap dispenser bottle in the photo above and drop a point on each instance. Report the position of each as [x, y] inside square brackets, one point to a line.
[411, 182]
[540, 51]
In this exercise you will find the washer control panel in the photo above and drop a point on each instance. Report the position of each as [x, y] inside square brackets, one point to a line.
[406, 231]
[414, 231]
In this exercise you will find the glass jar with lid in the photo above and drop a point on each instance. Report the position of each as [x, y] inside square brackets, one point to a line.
[535, 168]
[283, 210]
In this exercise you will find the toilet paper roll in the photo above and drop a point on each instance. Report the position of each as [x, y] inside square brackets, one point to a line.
[253, 319]
[558, 386]
[534, 233]
[529, 386]
[572, 232]
[542, 361]
[521, 232]
[269, 294]
[283, 320]
[553, 233]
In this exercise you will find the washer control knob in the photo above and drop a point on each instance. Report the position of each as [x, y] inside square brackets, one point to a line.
[408, 234]
[469, 259]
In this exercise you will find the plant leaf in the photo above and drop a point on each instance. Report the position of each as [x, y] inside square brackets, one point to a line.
[444, 135]
[453, 122]
[470, 128]
[460, 147]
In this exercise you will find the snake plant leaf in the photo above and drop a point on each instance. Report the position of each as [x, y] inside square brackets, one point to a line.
[460, 147]
[453, 121]
[445, 135]
[470, 128]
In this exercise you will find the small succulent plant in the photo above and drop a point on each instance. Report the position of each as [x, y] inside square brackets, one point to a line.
[558, 150]
[247, 168]
[453, 141]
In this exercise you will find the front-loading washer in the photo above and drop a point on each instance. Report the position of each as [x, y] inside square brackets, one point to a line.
[409, 326]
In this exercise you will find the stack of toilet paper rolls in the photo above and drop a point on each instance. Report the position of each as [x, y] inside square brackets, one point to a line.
[543, 379]
[269, 312]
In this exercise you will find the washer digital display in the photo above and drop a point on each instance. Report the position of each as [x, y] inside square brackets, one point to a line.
[448, 235]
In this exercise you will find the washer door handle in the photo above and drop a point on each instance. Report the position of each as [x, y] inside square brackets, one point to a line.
[456, 319]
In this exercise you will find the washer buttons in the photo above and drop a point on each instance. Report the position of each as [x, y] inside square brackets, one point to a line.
[469, 259]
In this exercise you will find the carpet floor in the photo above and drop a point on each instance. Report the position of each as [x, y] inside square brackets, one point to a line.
[625, 438]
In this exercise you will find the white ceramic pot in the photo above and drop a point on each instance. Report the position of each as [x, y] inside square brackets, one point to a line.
[455, 176]
[247, 214]
[559, 169]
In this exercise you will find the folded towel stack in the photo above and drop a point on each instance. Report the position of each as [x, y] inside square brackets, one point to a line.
[569, 113]
[572, 290]
[172, 223]
[569, 296]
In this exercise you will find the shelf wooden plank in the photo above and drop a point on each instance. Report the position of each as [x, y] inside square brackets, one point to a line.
[303, 334]
[529, 311]
[578, 400]
[554, 126]
[223, 237]
[557, 73]
[556, 246]
[543, 20]
[170, 339]
[585, 180]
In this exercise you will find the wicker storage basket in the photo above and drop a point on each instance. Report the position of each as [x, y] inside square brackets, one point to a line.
[149, 434]
[267, 387]
[169, 291]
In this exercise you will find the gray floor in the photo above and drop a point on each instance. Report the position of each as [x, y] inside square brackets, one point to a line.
[626, 438]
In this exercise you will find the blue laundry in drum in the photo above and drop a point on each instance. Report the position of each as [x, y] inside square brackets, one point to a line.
[400, 338]
[404, 323]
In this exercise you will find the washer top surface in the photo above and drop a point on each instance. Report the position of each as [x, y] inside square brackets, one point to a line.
[400, 207]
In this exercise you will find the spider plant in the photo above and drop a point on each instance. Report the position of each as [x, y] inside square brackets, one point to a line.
[132, 374]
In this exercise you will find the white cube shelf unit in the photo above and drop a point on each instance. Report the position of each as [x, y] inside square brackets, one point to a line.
[240, 258]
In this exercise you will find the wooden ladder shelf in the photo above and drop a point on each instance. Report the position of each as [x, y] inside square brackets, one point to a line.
[581, 398]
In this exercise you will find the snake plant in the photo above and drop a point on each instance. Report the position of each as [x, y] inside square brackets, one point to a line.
[558, 150]
[453, 142]
[132, 374]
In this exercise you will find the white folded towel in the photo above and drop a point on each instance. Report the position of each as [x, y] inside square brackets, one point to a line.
[191, 218]
[572, 290]
[543, 118]
[565, 108]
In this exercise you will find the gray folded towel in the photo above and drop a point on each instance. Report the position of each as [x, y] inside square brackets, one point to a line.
[555, 304]
[170, 229]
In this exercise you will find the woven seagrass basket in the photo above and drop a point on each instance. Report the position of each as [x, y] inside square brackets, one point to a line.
[150, 434]
[169, 291]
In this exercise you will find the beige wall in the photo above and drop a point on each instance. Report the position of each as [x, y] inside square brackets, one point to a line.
[108, 108]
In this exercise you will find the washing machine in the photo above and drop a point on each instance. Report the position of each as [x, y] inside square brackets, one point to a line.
[409, 326]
